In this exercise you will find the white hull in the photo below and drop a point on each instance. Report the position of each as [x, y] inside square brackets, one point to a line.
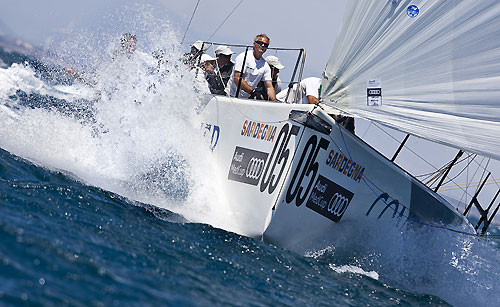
[292, 185]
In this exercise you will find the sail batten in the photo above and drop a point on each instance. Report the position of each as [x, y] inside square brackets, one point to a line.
[439, 70]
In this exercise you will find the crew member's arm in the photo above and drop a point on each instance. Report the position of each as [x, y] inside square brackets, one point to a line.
[244, 84]
[312, 99]
[270, 90]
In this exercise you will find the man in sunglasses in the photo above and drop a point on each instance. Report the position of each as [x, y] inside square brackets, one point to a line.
[254, 70]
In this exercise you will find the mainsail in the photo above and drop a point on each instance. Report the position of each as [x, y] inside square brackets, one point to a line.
[438, 62]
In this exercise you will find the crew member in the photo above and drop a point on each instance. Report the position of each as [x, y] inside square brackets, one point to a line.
[206, 80]
[224, 63]
[276, 66]
[197, 49]
[308, 92]
[215, 84]
[255, 70]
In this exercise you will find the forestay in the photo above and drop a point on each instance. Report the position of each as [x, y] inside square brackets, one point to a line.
[439, 70]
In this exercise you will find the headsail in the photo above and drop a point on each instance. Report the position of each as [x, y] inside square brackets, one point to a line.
[439, 70]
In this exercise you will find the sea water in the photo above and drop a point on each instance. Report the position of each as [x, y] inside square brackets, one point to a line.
[107, 197]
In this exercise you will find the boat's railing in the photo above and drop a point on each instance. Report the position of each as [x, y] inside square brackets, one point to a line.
[251, 46]
[295, 78]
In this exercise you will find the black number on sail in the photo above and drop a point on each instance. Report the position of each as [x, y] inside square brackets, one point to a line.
[269, 179]
[311, 165]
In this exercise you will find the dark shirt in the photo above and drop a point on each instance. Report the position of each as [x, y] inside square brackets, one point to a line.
[214, 83]
[226, 71]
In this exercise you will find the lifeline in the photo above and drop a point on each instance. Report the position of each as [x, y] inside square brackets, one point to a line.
[345, 165]
[258, 131]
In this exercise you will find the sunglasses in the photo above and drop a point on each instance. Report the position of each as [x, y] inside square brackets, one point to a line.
[265, 45]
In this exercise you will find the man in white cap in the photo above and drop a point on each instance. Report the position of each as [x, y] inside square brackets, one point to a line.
[197, 49]
[276, 66]
[207, 63]
[223, 54]
[200, 46]
[255, 69]
[214, 83]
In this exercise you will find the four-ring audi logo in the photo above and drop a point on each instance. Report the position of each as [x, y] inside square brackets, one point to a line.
[247, 165]
[338, 204]
[374, 92]
[255, 168]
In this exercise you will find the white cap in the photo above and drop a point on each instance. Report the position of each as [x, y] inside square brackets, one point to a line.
[198, 45]
[205, 57]
[273, 61]
[224, 50]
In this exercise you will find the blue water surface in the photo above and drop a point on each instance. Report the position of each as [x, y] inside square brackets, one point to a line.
[63, 242]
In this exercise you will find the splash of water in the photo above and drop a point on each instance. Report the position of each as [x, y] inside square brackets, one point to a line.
[354, 269]
[129, 126]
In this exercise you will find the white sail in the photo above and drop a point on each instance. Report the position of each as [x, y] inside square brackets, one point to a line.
[439, 70]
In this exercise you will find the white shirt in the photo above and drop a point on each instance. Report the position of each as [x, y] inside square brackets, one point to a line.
[277, 87]
[307, 87]
[255, 71]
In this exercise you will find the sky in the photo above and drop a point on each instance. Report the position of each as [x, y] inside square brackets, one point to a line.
[289, 24]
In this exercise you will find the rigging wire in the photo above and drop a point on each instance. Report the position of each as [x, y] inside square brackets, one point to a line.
[468, 184]
[440, 172]
[466, 193]
[190, 20]
[225, 19]
[483, 174]
[434, 176]
[409, 149]
[484, 168]
[427, 175]
[416, 154]
[459, 173]
[366, 131]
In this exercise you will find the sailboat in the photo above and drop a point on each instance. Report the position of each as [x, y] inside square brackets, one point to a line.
[295, 176]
